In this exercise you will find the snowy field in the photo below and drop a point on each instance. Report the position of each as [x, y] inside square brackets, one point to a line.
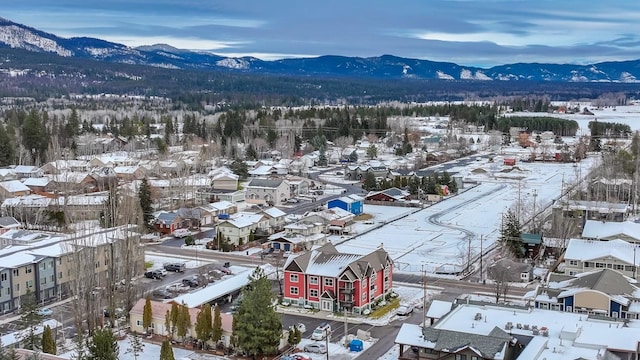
[439, 236]
[152, 351]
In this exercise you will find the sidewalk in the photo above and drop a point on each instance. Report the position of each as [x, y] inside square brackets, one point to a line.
[326, 315]
[11, 317]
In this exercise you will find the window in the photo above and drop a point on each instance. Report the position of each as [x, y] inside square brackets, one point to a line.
[461, 357]
[328, 282]
[313, 280]
[364, 295]
[588, 264]
[28, 269]
[573, 262]
[60, 275]
[475, 358]
[43, 265]
[139, 322]
[618, 267]
[293, 290]
[364, 283]
[3, 277]
[17, 287]
[29, 284]
[600, 265]
[293, 278]
[313, 293]
[15, 272]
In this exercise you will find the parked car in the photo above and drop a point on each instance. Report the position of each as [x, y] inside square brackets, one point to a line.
[267, 251]
[316, 347]
[153, 274]
[321, 331]
[175, 267]
[161, 294]
[181, 233]
[162, 271]
[404, 310]
[293, 201]
[191, 282]
[45, 311]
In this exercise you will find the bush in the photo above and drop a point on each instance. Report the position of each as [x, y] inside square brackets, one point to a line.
[189, 241]
[383, 310]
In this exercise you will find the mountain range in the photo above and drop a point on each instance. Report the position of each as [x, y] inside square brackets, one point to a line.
[18, 36]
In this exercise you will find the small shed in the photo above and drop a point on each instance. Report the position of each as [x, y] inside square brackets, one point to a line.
[509, 161]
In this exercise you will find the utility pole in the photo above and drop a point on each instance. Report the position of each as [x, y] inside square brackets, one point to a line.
[424, 297]
[326, 338]
[346, 326]
[469, 254]
[481, 255]
[535, 196]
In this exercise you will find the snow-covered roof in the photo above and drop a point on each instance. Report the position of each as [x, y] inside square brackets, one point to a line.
[13, 338]
[242, 220]
[439, 309]
[13, 186]
[274, 212]
[37, 181]
[585, 250]
[214, 291]
[602, 230]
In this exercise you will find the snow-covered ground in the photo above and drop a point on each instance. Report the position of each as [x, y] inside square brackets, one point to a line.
[438, 237]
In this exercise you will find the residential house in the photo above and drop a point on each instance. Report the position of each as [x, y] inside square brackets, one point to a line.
[611, 190]
[192, 217]
[389, 195]
[329, 280]
[275, 217]
[267, 191]
[105, 178]
[73, 183]
[215, 209]
[298, 186]
[129, 173]
[351, 203]
[588, 255]
[59, 166]
[13, 188]
[299, 236]
[238, 228]
[38, 185]
[158, 311]
[167, 222]
[27, 171]
[573, 213]
[9, 223]
[532, 243]
[605, 230]
[602, 292]
[224, 180]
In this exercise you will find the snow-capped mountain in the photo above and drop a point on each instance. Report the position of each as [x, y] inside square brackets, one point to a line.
[17, 36]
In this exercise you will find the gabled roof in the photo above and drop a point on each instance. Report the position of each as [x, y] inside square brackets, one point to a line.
[242, 220]
[166, 217]
[605, 230]
[274, 212]
[9, 222]
[327, 261]
[453, 341]
[13, 186]
[265, 183]
[607, 281]
[585, 250]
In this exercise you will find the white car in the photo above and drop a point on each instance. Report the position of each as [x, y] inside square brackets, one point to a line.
[321, 331]
[404, 310]
[317, 347]
[181, 233]
[45, 311]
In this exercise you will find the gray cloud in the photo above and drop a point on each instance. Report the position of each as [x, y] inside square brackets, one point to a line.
[471, 32]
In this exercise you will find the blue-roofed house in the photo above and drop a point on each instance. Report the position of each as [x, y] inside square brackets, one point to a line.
[351, 203]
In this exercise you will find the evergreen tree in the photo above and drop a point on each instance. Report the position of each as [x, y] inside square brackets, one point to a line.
[35, 137]
[80, 348]
[30, 317]
[372, 151]
[183, 322]
[7, 149]
[239, 168]
[251, 153]
[216, 330]
[204, 323]
[166, 351]
[510, 231]
[136, 346]
[103, 345]
[256, 326]
[144, 195]
[370, 183]
[48, 343]
[147, 315]
[353, 157]
[167, 324]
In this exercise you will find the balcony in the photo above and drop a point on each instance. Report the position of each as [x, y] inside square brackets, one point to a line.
[347, 290]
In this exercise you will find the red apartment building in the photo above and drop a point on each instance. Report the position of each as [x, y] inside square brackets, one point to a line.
[329, 280]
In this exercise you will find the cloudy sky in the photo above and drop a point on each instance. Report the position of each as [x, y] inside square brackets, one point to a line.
[467, 32]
